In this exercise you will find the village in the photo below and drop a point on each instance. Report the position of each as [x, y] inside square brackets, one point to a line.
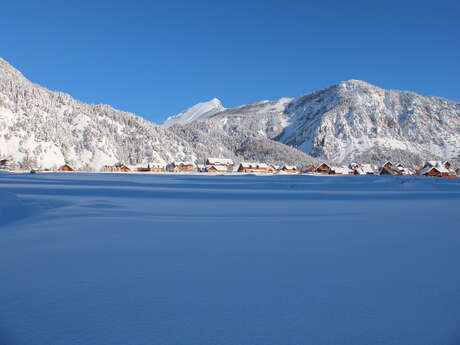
[443, 169]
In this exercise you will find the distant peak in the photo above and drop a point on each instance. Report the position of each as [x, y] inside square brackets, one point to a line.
[8, 71]
[214, 101]
[198, 111]
[355, 83]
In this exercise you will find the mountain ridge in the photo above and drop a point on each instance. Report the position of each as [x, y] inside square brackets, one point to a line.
[350, 120]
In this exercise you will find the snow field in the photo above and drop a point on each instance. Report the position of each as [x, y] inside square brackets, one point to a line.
[188, 259]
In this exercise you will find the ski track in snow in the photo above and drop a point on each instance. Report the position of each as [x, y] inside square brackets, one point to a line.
[174, 259]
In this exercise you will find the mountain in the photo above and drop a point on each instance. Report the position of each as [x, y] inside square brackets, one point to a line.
[44, 128]
[354, 120]
[350, 121]
[198, 111]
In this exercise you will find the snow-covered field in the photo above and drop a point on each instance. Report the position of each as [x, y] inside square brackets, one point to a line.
[95, 259]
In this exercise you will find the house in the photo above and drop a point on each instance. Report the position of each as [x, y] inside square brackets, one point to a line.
[324, 169]
[389, 170]
[152, 167]
[123, 168]
[404, 171]
[447, 165]
[273, 168]
[181, 167]
[253, 167]
[217, 169]
[438, 169]
[434, 171]
[119, 167]
[290, 169]
[387, 164]
[65, 167]
[228, 163]
[309, 169]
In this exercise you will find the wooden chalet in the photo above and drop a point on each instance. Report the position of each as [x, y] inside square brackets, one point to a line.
[217, 169]
[273, 168]
[389, 170]
[309, 169]
[324, 169]
[66, 167]
[227, 163]
[119, 167]
[290, 169]
[181, 167]
[437, 169]
[387, 164]
[253, 167]
[447, 165]
[152, 167]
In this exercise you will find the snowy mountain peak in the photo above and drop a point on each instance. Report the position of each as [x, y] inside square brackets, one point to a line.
[8, 72]
[198, 111]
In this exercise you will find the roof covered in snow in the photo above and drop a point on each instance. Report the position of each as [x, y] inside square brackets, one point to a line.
[220, 161]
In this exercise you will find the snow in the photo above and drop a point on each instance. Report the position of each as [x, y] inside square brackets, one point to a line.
[188, 259]
[219, 168]
[218, 161]
[198, 111]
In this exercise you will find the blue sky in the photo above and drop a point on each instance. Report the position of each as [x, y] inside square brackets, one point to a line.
[155, 59]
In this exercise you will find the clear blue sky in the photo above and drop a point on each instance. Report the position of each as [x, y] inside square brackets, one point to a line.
[157, 58]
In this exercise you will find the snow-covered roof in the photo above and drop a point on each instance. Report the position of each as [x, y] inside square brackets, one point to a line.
[254, 165]
[217, 161]
[441, 169]
[218, 168]
[290, 167]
